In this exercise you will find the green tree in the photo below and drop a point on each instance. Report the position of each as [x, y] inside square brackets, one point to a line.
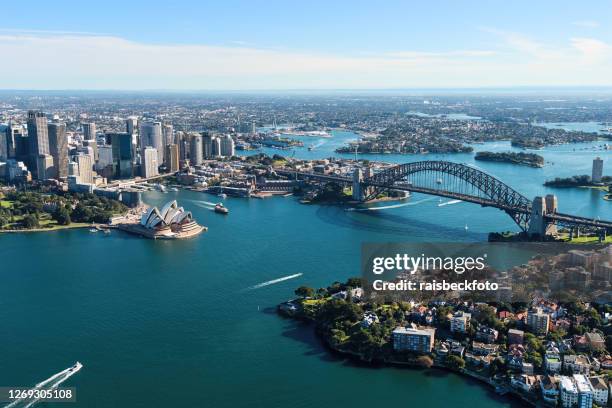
[62, 216]
[30, 221]
[455, 362]
[355, 282]
[304, 292]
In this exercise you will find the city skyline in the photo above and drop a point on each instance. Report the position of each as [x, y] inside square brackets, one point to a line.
[266, 46]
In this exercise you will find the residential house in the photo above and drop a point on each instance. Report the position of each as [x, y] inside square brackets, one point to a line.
[576, 363]
[460, 322]
[549, 386]
[600, 391]
[515, 336]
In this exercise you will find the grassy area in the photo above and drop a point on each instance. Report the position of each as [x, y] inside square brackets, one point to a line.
[6, 204]
[601, 188]
[584, 239]
[313, 302]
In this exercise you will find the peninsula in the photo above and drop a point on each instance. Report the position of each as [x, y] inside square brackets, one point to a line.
[523, 159]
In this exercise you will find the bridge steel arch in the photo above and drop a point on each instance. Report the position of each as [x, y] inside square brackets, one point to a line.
[494, 193]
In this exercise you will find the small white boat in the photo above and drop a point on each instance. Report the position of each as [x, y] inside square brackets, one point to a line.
[93, 230]
[223, 195]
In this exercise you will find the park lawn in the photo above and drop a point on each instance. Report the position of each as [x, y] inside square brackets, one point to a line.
[584, 239]
[313, 302]
[6, 204]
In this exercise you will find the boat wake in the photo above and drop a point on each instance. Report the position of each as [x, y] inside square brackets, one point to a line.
[205, 204]
[386, 207]
[50, 383]
[273, 281]
[449, 203]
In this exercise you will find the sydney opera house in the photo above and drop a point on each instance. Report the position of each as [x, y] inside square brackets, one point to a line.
[171, 222]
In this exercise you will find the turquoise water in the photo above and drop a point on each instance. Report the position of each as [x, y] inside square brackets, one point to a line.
[178, 323]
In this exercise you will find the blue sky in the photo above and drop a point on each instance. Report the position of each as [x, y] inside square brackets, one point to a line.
[305, 45]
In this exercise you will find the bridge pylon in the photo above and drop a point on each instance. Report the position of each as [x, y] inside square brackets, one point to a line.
[540, 208]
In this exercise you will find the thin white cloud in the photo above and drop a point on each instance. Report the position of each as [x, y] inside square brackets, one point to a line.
[592, 50]
[76, 61]
[586, 23]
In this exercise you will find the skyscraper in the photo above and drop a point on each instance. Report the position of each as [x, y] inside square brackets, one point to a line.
[216, 147]
[228, 148]
[85, 168]
[195, 151]
[89, 130]
[151, 136]
[38, 137]
[207, 145]
[131, 125]
[167, 134]
[172, 158]
[123, 155]
[58, 147]
[13, 132]
[3, 143]
[597, 172]
[183, 142]
[45, 168]
[150, 167]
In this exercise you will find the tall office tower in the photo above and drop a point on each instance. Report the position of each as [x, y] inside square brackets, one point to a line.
[172, 158]
[151, 136]
[38, 137]
[167, 134]
[58, 147]
[150, 167]
[597, 172]
[183, 143]
[3, 143]
[216, 147]
[85, 168]
[45, 168]
[228, 148]
[207, 145]
[195, 151]
[123, 155]
[13, 132]
[89, 130]
[105, 156]
[131, 125]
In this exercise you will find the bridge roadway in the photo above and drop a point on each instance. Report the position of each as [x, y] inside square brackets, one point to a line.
[127, 182]
[560, 218]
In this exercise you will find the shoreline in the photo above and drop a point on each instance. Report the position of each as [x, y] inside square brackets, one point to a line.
[386, 363]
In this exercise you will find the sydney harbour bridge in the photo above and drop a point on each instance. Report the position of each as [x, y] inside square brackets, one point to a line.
[461, 182]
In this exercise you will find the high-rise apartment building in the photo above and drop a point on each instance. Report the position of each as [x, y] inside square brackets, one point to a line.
[228, 148]
[597, 172]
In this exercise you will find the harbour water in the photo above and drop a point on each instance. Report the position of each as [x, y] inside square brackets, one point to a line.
[192, 323]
